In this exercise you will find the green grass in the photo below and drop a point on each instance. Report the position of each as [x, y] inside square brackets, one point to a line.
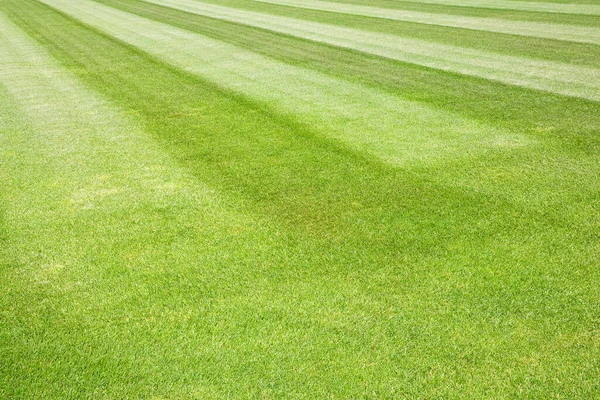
[528, 46]
[523, 71]
[566, 11]
[200, 208]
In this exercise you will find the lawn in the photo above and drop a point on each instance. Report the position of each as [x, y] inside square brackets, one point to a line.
[299, 199]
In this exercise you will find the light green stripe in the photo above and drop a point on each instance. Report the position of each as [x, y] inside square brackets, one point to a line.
[549, 76]
[395, 130]
[535, 29]
[78, 150]
[581, 9]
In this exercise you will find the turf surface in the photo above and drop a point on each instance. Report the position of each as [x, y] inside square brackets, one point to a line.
[228, 199]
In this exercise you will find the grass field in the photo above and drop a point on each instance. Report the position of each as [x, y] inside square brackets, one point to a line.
[299, 199]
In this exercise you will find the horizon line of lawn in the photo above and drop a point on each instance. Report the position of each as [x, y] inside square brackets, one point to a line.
[526, 46]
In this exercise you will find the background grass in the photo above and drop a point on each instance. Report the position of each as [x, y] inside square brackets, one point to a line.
[164, 236]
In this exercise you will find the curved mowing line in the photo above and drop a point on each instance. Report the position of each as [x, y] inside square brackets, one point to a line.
[555, 77]
[524, 28]
[557, 8]
[395, 130]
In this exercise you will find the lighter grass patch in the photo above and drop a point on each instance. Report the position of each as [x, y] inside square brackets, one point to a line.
[46, 274]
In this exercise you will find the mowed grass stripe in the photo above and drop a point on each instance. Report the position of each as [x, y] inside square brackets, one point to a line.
[566, 117]
[506, 14]
[534, 6]
[555, 77]
[514, 45]
[91, 207]
[524, 28]
[341, 61]
[215, 145]
[90, 156]
[511, 107]
[364, 118]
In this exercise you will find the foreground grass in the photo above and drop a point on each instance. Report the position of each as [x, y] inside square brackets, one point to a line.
[165, 236]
